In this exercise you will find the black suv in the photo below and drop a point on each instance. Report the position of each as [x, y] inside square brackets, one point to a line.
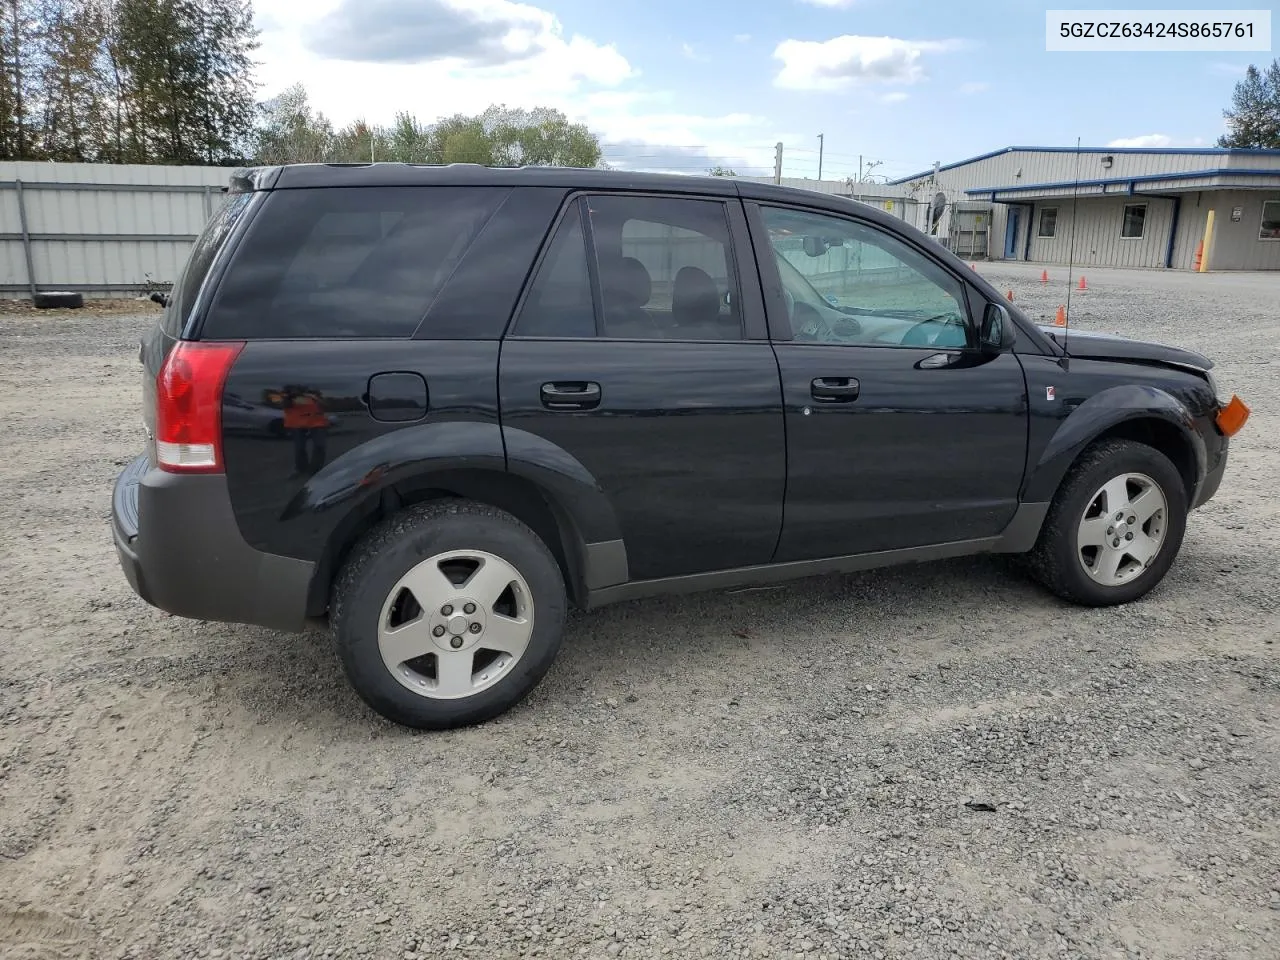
[437, 404]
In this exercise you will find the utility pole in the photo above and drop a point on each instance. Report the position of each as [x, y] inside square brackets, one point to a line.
[777, 163]
[821, 137]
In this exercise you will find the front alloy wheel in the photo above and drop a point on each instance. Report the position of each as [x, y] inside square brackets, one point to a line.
[1122, 529]
[1114, 527]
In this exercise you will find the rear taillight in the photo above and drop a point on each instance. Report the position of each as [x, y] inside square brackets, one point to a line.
[189, 406]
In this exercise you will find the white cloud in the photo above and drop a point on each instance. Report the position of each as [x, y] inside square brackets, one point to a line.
[834, 4]
[430, 58]
[845, 60]
[1155, 140]
[896, 96]
[974, 86]
[1229, 69]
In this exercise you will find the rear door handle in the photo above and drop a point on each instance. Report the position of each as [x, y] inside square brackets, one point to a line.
[834, 389]
[574, 395]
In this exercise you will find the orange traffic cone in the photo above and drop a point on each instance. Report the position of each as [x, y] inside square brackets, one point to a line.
[1061, 319]
[1044, 276]
[1199, 256]
[1083, 285]
[1009, 295]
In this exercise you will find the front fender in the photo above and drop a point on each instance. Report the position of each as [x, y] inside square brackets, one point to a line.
[1103, 411]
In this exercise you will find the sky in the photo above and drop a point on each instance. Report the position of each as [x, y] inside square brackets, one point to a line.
[682, 85]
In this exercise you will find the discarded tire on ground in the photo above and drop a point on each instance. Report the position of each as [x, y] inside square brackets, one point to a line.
[58, 299]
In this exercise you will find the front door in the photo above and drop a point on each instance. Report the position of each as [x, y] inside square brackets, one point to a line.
[1011, 234]
[900, 431]
[663, 385]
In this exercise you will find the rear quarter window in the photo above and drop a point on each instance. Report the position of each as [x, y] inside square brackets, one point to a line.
[199, 260]
[346, 262]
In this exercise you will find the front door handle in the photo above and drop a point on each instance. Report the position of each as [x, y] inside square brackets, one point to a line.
[834, 389]
[573, 395]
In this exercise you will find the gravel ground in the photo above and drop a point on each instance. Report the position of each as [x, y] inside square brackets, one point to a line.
[934, 761]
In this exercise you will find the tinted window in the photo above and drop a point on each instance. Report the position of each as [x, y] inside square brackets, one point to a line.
[199, 260]
[559, 303]
[347, 262]
[1135, 219]
[666, 268]
[850, 283]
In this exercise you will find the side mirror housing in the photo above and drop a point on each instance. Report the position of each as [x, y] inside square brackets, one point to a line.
[998, 332]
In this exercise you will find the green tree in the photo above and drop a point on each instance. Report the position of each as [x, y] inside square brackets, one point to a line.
[719, 171]
[289, 131]
[74, 93]
[1254, 117]
[541, 137]
[19, 38]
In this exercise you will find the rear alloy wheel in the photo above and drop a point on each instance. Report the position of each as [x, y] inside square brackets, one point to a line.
[1115, 526]
[448, 614]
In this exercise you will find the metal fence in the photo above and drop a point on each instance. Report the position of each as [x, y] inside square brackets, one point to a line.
[99, 229]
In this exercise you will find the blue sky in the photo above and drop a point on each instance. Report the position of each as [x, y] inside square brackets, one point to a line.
[682, 85]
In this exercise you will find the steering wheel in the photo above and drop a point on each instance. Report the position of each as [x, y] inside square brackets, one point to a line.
[809, 324]
[927, 333]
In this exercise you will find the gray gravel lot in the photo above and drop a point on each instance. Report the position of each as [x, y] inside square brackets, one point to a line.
[934, 761]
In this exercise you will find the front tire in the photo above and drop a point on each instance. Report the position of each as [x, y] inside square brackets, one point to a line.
[448, 614]
[1115, 526]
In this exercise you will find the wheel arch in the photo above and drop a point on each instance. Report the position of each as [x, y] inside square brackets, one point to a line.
[1138, 413]
[546, 514]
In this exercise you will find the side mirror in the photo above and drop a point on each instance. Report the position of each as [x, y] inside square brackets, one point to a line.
[998, 331]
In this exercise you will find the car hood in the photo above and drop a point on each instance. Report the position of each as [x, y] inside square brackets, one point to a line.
[1092, 345]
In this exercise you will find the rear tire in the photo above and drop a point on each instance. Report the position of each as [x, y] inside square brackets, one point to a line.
[448, 614]
[1115, 526]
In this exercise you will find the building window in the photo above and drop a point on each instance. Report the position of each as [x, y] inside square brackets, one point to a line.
[1269, 229]
[1048, 223]
[1135, 221]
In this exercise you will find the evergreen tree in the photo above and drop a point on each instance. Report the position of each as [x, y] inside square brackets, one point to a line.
[1254, 117]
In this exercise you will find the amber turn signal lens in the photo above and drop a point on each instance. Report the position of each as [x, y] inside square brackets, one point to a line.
[1232, 417]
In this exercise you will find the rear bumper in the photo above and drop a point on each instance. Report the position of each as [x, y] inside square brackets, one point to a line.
[181, 551]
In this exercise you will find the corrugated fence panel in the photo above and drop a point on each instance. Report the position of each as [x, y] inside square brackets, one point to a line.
[102, 229]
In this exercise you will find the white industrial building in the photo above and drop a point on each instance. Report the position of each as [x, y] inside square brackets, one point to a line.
[1185, 209]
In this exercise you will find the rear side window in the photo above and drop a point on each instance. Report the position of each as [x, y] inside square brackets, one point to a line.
[560, 303]
[200, 259]
[347, 262]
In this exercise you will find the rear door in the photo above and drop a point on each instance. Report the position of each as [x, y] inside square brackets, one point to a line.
[636, 354]
[900, 431]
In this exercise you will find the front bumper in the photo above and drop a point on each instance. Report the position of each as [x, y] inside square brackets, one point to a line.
[1212, 478]
[181, 551]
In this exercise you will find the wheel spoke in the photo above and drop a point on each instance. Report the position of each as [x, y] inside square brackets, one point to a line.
[1147, 504]
[1142, 547]
[453, 673]
[407, 641]
[508, 634]
[1093, 532]
[429, 586]
[1117, 494]
[489, 581]
[1107, 564]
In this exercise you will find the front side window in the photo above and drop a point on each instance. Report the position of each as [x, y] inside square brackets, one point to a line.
[1269, 229]
[846, 282]
[1135, 221]
[1048, 223]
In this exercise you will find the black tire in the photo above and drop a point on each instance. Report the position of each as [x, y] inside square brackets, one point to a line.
[387, 553]
[58, 300]
[1055, 559]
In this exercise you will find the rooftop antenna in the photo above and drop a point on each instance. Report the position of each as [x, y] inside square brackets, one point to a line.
[1071, 254]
